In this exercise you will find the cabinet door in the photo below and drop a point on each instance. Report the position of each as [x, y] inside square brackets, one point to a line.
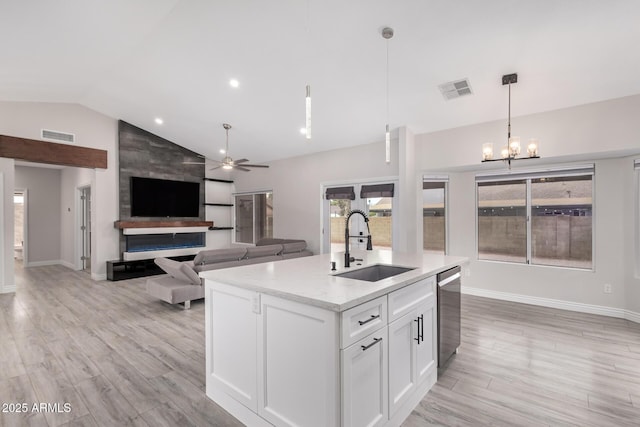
[425, 347]
[231, 346]
[298, 364]
[364, 382]
[402, 359]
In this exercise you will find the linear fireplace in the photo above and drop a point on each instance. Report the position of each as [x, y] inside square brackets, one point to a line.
[166, 241]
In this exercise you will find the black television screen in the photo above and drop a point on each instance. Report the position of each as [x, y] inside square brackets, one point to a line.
[163, 198]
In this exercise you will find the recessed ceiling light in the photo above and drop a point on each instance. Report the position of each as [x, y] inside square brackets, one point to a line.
[159, 121]
[222, 151]
[303, 131]
[234, 83]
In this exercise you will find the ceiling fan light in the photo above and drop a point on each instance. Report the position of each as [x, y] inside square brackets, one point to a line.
[227, 167]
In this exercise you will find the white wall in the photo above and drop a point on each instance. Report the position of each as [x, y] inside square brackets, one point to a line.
[588, 133]
[296, 184]
[94, 130]
[7, 279]
[43, 210]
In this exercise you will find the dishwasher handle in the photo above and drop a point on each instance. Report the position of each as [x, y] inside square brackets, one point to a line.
[449, 280]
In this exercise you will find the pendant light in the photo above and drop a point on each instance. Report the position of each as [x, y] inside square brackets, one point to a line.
[387, 33]
[307, 99]
[512, 150]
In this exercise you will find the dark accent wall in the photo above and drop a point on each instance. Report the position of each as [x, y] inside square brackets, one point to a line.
[144, 154]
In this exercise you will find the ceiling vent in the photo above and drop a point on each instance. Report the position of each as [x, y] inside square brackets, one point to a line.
[455, 89]
[58, 136]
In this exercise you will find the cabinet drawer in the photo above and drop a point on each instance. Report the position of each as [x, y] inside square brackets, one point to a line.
[360, 321]
[404, 300]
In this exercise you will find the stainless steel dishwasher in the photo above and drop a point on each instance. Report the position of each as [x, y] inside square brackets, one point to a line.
[448, 314]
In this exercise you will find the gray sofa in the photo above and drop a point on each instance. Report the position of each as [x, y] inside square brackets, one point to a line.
[182, 284]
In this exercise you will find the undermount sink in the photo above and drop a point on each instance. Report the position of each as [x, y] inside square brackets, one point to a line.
[375, 272]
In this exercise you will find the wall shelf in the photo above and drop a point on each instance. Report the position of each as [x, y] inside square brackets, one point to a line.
[157, 224]
[219, 204]
[226, 181]
[220, 228]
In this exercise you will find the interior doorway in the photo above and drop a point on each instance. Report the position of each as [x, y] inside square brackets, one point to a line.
[85, 227]
[20, 225]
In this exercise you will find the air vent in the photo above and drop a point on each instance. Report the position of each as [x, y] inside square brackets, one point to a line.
[455, 89]
[58, 136]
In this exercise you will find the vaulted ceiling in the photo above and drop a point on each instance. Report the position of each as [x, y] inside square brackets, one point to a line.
[172, 59]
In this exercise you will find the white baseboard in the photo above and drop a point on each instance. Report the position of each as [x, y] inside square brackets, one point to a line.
[8, 289]
[551, 303]
[98, 277]
[44, 263]
[632, 316]
[68, 265]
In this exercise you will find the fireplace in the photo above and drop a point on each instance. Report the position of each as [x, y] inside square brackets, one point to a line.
[165, 241]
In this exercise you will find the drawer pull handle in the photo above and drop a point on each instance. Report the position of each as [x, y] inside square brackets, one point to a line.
[420, 321]
[364, 322]
[367, 347]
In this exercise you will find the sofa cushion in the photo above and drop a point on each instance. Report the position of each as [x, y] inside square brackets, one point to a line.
[268, 241]
[190, 273]
[298, 246]
[173, 291]
[261, 251]
[219, 255]
[176, 270]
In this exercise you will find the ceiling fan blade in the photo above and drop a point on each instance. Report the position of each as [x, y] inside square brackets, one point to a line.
[215, 167]
[241, 168]
[193, 163]
[241, 161]
[256, 166]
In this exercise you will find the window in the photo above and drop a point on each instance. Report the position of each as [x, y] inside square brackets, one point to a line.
[542, 218]
[253, 217]
[434, 227]
[375, 200]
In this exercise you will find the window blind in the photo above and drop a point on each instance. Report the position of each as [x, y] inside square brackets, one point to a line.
[376, 190]
[340, 193]
[536, 173]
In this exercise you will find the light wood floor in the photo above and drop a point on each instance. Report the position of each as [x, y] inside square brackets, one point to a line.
[119, 357]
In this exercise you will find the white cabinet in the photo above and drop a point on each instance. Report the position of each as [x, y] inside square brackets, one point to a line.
[298, 364]
[272, 361]
[365, 381]
[231, 342]
[411, 341]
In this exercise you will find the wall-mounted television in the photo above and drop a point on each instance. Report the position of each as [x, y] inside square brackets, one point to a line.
[152, 197]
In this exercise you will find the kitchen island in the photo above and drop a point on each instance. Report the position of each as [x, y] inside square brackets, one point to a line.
[292, 343]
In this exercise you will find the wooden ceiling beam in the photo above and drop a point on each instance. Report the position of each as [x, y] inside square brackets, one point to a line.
[31, 150]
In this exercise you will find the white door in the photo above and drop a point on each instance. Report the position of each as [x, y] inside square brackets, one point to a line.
[232, 343]
[364, 382]
[402, 359]
[85, 227]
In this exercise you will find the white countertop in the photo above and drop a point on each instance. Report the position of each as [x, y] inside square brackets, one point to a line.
[309, 280]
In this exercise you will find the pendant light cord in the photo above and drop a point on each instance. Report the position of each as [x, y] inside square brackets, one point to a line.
[387, 85]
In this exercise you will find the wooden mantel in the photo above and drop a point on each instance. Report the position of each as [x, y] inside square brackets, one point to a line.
[158, 224]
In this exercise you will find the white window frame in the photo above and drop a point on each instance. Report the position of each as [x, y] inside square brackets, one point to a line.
[357, 184]
[445, 180]
[528, 175]
[253, 194]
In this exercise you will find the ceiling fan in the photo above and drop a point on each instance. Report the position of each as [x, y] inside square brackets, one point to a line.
[227, 162]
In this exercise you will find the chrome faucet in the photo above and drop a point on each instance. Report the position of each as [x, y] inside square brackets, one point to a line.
[347, 256]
